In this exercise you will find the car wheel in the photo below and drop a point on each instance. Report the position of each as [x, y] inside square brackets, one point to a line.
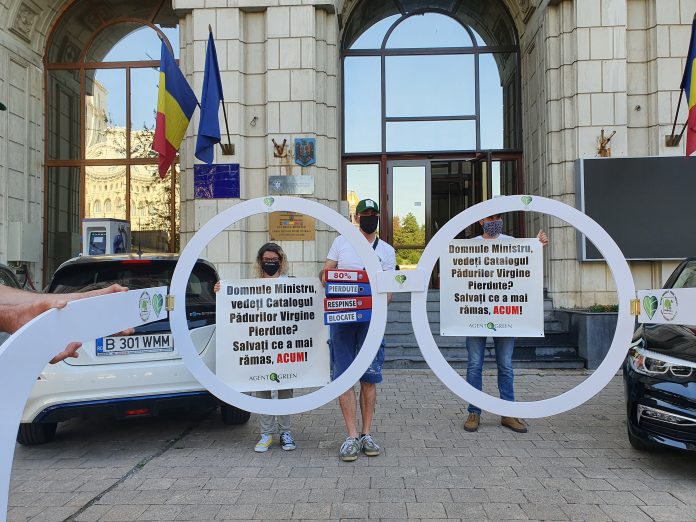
[36, 432]
[233, 415]
[639, 444]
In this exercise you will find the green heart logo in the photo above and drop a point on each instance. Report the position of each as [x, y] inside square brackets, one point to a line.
[401, 279]
[157, 302]
[268, 201]
[526, 200]
[650, 305]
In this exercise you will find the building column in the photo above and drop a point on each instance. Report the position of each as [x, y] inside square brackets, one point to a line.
[279, 64]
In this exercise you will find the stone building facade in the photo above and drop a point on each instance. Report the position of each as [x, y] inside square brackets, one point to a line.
[584, 66]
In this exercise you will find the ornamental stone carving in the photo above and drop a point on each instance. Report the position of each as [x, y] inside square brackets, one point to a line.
[24, 20]
[526, 8]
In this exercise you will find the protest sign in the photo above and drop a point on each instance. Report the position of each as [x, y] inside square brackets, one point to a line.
[354, 316]
[270, 334]
[336, 304]
[347, 289]
[346, 275]
[492, 288]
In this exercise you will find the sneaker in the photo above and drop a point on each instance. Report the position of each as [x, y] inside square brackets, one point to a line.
[349, 450]
[263, 444]
[369, 446]
[472, 422]
[514, 424]
[286, 441]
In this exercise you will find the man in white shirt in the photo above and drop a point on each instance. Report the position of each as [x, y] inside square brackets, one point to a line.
[347, 339]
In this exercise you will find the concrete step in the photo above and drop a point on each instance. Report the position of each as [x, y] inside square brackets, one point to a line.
[408, 339]
[520, 352]
[555, 350]
[417, 362]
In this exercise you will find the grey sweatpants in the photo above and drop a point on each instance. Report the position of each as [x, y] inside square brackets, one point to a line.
[267, 423]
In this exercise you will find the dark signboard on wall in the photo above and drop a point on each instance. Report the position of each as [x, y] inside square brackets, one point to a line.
[646, 205]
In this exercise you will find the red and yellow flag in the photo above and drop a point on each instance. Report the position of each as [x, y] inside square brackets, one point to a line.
[689, 86]
[175, 105]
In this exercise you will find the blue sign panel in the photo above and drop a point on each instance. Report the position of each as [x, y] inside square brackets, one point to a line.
[217, 181]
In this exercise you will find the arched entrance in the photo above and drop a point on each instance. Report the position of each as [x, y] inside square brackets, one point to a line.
[431, 113]
[101, 81]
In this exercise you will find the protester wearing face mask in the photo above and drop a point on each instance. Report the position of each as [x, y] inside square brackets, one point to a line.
[504, 346]
[272, 263]
[347, 339]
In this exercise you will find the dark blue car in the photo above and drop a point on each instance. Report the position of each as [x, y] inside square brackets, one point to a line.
[661, 390]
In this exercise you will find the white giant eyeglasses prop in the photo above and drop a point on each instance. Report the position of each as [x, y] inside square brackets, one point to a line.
[25, 354]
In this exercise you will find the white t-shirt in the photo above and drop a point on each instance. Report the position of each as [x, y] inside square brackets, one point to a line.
[347, 258]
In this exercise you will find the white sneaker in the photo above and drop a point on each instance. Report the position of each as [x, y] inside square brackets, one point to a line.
[263, 444]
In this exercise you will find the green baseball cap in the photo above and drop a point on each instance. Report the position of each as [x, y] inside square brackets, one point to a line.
[366, 204]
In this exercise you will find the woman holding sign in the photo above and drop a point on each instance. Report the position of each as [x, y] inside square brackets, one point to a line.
[504, 346]
[272, 263]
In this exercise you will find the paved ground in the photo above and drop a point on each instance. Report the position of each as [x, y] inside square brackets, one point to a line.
[575, 466]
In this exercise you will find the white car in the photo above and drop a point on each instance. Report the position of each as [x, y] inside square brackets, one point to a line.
[128, 376]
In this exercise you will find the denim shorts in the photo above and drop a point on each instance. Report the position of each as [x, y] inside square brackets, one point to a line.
[346, 341]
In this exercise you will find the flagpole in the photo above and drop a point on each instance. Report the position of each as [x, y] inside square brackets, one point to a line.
[229, 149]
[673, 140]
[682, 131]
[229, 142]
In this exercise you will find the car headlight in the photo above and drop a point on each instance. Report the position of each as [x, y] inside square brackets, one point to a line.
[654, 367]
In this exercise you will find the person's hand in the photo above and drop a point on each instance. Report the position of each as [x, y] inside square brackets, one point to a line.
[70, 351]
[543, 238]
[216, 288]
[91, 293]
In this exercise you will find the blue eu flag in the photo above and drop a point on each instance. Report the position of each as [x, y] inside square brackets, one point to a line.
[209, 127]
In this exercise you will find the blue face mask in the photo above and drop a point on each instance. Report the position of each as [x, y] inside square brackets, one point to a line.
[493, 228]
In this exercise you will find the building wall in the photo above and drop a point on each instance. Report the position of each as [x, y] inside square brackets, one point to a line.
[586, 65]
[279, 63]
[24, 25]
[597, 64]
[21, 126]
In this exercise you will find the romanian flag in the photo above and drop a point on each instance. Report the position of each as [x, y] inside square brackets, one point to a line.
[175, 105]
[689, 86]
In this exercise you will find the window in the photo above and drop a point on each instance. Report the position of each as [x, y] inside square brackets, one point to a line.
[95, 78]
[424, 82]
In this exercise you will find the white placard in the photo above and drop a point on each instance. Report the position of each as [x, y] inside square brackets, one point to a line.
[492, 288]
[270, 334]
[667, 306]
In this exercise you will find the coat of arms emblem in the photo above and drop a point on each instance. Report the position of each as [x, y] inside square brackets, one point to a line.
[305, 151]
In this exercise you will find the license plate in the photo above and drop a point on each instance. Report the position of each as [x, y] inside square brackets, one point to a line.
[135, 344]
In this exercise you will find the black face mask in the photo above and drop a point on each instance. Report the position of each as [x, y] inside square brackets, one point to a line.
[368, 224]
[270, 267]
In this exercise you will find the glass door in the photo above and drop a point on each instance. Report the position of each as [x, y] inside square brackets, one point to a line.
[409, 209]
